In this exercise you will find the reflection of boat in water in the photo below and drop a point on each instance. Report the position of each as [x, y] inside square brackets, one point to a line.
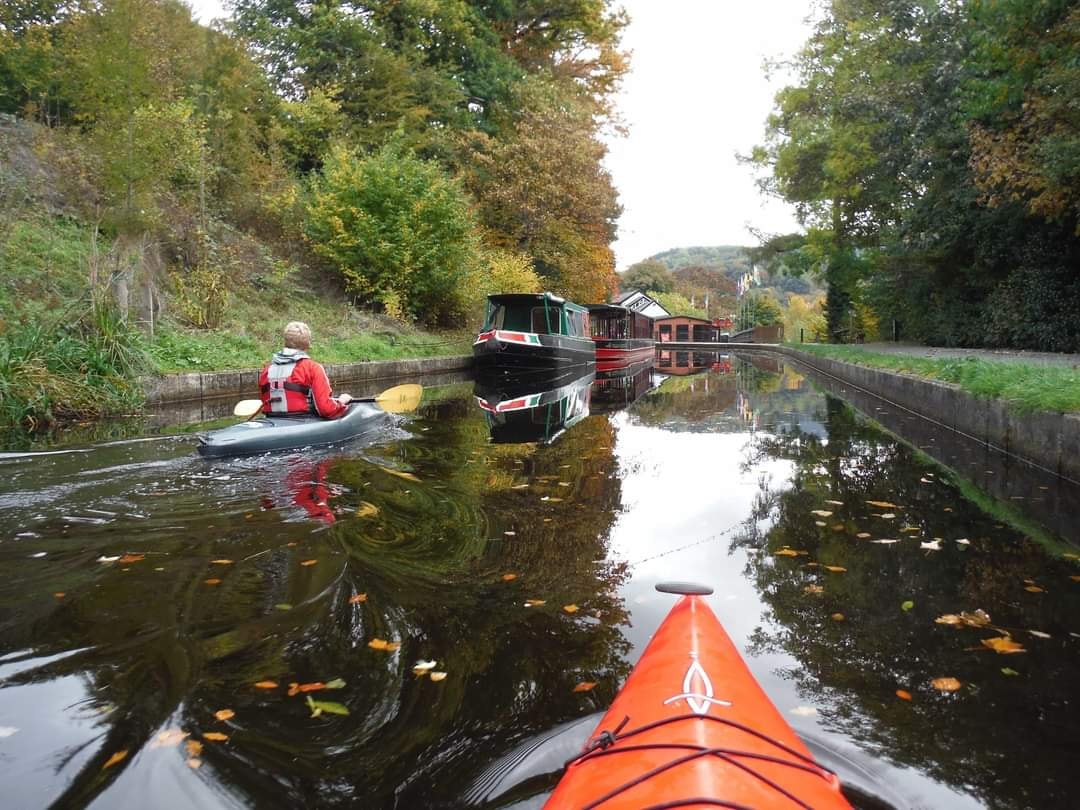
[616, 388]
[622, 336]
[528, 333]
[527, 411]
[681, 363]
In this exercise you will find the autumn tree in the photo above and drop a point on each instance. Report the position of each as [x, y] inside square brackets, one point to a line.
[649, 275]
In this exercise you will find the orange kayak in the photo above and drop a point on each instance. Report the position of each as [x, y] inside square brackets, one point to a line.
[691, 728]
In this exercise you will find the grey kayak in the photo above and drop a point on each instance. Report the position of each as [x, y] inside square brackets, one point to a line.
[287, 432]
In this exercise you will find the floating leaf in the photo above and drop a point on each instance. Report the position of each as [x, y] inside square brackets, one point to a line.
[790, 552]
[570, 608]
[309, 562]
[1033, 589]
[946, 684]
[820, 524]
[1039, 634]
[221, 562]
[401, 474]
[1075, 577]
[366, 509]
[1012, 673]
[838, 527]
[535, 602]
[813, 589]
[59, 594]
[510, 534]
[379, 644]
[885, 541]
[266, 685]
[337, 683]
[509, 577]
[925, 481]
[194, 764]
[837, 617]
[931, 545]
[357, 598]
[194, 747]
[119, 756]
[127, 559]
[903, 694]
[1003, 645]
[977, 618]
[437, 676]
[863, 535]
[319, 706]
[908, 605]
[883, 504]
[585, 686]
[821, 513]
[835, 503]
[420, 667]
[282, 606]
[887, 516]
[836, 569]
[213, 581]
[105, 559]
[962, 541]
[224, 714]
[168, 738]
[1068, 555]
[215, 736]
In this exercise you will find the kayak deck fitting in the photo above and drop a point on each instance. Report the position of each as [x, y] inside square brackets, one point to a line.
[692, 728]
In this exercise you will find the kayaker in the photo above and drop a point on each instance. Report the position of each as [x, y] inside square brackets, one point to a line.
[293, 383]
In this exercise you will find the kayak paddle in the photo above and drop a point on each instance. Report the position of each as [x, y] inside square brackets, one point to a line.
[399, 399]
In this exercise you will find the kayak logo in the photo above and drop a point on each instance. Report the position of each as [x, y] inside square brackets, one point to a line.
[697, 689]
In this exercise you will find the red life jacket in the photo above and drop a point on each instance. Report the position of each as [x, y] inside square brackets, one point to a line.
[281, 394]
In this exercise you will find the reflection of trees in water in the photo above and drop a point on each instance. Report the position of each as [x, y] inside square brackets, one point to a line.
[853, 667]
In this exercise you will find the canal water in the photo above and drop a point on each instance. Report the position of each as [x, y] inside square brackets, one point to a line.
[178, 633]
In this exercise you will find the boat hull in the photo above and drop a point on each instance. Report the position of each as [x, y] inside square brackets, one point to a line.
[274, 433]
[528, 352]
[699, 728]
[616, 353]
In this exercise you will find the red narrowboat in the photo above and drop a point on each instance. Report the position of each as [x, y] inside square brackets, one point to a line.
[622, 336]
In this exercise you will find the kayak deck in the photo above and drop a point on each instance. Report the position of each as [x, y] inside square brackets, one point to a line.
[692, 728]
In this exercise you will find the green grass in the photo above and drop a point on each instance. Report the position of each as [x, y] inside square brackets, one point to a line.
[1027, 387]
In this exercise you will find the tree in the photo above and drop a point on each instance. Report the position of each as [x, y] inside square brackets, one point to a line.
[651, 275]
[397, 229]
[677, 304]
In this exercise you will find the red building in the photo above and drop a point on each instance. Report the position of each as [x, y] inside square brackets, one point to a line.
[683, 329]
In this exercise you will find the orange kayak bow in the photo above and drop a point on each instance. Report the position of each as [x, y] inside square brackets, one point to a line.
[691, 728]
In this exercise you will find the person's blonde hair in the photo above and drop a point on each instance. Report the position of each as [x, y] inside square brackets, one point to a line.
[297, 335]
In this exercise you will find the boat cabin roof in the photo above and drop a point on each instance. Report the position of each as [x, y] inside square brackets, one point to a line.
[608, 309]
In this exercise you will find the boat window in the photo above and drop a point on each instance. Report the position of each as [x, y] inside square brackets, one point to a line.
[504, 317]
[541, 318]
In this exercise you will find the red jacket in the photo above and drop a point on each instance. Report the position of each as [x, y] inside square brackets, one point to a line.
[307, 390]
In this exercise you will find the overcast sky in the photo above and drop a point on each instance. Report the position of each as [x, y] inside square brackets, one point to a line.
[696, 95]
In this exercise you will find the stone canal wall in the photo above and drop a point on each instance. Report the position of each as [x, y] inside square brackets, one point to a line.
[175, 388]
[1045, 439]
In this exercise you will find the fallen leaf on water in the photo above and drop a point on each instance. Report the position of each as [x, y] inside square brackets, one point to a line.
[520, 486]
[863, 535]
[836, 569]
[401, 474]
[194, 747]
[835, 503]
[224, 714]
[282, 606]
[420, 667]
[837, 617]
[963, 541]
[812, 565]
[1039, 634]
[510, 534]
[913, 530]
[535, 602]
[585, 686]
[221, 562]
[820, 523]
[925, 481]
[931, 545]
[509, 577]
[570, 608]
[908, 605]
[309, 562]
[366, 509]
[194, 764]
[838, 527]
[1003, 645]
[977, 618]
[319, 706]
[212, 581]
[790, 552]
[804, 711]
[1009, 671]
[357, 598]
[885, 541]
[59, 594]
[1068, 555]
[1033, 589]
[379, 644]
[821, 513]
[168, 738]
[552, 500]
[903, 694]
[215, 736]
[266, 685]
[946, 684]
[437, 676]
[107, 559]
[337, 683]
[814, 589]
[888, 516]
[883, 504]
[127, 559]
[1075, 577]
[117, 757]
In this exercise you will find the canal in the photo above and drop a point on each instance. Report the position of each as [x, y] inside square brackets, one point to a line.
[176, 632]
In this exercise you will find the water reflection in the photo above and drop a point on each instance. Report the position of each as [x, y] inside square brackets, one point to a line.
[534, 408]
[148, 590]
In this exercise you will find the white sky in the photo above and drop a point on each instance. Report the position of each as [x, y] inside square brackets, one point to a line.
[696, 95]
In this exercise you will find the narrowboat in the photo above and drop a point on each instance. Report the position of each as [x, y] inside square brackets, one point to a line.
[533, 333]
[622, 336]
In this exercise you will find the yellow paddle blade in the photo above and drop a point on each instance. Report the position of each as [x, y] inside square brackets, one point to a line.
[401, 398]
[247, 407]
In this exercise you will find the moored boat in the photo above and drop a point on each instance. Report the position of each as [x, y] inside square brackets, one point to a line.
[530, 333]
[289, 432]
[622, 336]
[530, 412]
[692, 728]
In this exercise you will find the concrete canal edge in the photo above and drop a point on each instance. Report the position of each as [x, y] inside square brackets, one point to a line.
[1046, 439]
[244, 384]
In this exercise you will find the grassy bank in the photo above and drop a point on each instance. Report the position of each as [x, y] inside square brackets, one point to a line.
[1027, 387]
[66, 354]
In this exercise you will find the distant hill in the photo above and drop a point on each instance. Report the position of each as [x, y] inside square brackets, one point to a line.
[731, 260]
